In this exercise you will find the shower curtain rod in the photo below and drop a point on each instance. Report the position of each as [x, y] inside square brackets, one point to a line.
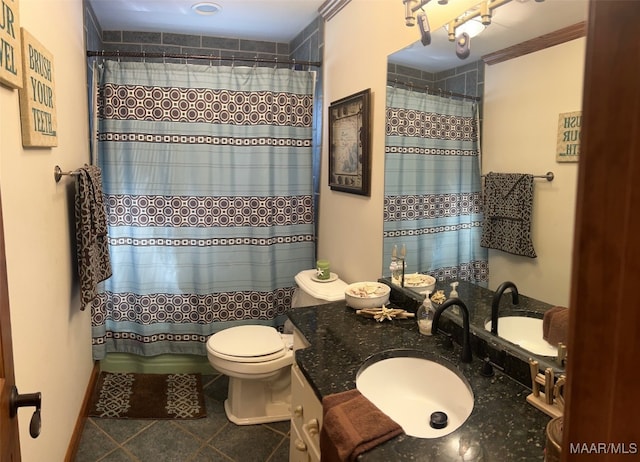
[144, 54]
[431, 91]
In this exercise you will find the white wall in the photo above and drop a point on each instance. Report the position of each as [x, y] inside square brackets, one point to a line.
[51, 336]
[523, 98]
[357, 42]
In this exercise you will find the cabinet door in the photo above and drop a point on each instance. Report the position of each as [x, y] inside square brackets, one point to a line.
[298, 449]
[306, 413]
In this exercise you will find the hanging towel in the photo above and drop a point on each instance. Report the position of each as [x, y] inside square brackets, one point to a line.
[508, 205]
[351, 425]
[94, 264]
[555, 325]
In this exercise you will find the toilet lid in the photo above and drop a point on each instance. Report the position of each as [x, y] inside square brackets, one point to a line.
[247, 344]
[329, 291]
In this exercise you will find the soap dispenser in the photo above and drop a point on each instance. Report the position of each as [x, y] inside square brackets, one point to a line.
[425, 314]
[454, 292]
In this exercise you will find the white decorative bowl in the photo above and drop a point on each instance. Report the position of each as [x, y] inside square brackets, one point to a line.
[420, 282]
[360, 295]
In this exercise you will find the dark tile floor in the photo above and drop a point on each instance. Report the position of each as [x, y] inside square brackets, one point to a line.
[211, 439]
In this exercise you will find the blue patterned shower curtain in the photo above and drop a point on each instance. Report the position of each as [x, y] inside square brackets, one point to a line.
[207, 174]
[432, 193]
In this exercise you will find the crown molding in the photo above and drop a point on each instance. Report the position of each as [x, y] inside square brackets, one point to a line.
[536, 44]
[331, 7]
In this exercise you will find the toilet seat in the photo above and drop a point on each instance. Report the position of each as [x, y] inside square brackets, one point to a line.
[247, 344]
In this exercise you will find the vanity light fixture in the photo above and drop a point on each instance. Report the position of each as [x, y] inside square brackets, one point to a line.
[463, 46]
[425, 30]
[470, 27]
[459, 30]
[206, 8]
[409, 12]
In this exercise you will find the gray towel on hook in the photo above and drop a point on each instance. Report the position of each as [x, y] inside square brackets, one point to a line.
[94, 264]
[508, 205]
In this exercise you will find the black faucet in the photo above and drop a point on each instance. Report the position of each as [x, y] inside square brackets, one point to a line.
[465, 356]
[495, 304]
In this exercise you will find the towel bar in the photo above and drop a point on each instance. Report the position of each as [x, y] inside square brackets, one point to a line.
[549, 176]
[57, 173]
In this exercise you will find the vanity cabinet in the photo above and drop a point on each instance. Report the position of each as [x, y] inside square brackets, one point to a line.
[306, 413]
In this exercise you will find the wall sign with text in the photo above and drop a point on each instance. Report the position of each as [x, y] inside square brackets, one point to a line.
[10, 63]
[568, 146]
[37, 95]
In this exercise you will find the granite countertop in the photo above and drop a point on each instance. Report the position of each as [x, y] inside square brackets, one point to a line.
[479, 300]
[503, 427]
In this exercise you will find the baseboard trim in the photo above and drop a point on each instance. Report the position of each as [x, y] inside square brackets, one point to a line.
[72, 449]
[161, 364]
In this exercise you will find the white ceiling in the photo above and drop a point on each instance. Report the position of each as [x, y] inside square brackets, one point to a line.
[264, 20]
[282, 20]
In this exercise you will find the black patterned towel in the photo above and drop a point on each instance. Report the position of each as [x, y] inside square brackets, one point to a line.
[508, 205]
[94, 264]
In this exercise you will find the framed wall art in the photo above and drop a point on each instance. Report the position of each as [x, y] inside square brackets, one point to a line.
[568, 145]
[38, 109]
[10, 51]
[349, 144]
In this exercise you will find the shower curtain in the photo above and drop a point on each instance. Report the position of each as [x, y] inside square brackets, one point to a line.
[208, 189]
[432, 193]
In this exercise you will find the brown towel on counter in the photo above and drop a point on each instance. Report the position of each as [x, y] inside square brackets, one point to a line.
[352, 425]
[94, 264]
[555, 325]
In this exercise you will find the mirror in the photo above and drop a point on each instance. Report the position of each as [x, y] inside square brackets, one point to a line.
[522, 99]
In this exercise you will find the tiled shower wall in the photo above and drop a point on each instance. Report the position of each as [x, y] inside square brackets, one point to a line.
[467, 79]
[306, 46]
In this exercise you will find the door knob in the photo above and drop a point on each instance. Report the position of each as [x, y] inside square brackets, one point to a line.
[17, 400]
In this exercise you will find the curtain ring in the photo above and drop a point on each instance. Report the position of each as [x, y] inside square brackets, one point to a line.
[275, 65]
[118, 55]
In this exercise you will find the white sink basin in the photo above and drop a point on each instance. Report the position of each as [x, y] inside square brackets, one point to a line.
[526, 332]
[410, 389]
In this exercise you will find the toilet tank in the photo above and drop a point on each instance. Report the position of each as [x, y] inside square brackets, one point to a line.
[311, 291]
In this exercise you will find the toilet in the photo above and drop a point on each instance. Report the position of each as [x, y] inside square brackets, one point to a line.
[257, 359]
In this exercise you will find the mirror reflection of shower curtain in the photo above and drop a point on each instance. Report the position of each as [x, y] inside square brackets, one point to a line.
[207, 174]
[432, 192]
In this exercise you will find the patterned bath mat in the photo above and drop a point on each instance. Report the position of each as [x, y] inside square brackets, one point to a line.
[148, 396]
